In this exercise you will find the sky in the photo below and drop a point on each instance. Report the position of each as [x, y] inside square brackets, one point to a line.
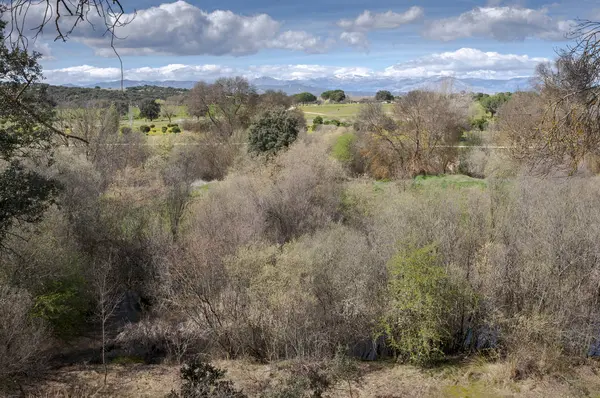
[305, 39]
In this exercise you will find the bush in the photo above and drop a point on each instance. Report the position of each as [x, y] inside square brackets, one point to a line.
[423, 301]
[144, 128]
[164, 129]
[23, 338]
[175, 130]
[152, 126]
[172, 125]
[126, 130]
[318, 120]
[202, 380]
[272, 131]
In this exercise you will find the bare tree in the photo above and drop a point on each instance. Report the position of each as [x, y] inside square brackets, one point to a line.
[228, 104]
[169, 109]
[108, 297]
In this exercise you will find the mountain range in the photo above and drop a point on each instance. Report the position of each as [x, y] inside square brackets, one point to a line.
[353, 85]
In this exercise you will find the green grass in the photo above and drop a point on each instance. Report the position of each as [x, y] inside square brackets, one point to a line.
[449, 181]
[342, 112]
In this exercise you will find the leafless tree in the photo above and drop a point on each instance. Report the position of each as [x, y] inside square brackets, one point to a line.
[228, 103]
[108, 297]
[169, 109]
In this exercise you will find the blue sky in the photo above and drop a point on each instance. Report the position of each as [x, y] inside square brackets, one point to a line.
[193, 40]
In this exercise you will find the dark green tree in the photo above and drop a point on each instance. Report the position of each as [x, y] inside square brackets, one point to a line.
[492, 103]
[27, 139]
[334, 95]
[150, 109]
[273, 130]
[384, 95]
[304, 98]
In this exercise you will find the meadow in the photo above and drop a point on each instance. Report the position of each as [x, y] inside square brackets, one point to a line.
[341, 112]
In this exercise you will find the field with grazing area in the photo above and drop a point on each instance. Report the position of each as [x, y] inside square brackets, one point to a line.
[342, 112]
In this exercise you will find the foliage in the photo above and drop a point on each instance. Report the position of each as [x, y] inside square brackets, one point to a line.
[144, 128]
[492, 103]
[317, 120]
[334, 95]
[422, 301]
[384, 95]
[272, 131]
[203, 380]
[175, 130]
[304, 98]
[26, 139]
[343, 149]
[150, 110]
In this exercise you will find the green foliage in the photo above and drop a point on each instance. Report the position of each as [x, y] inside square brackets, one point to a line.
[333, 122]
[175, 130]
[334, 95]
[318, 120]
[64, 306]
[26, 133]
[422, 298]
[384, 95]
[273, 130]
[164, 129]
[342, 149]
[150, 109]
[304, 98]
[144, 128]
[202, 380]
[492, 103]
[480, 123]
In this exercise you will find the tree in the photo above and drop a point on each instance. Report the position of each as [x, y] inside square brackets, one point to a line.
[228, 104]
[334, 95]
[421, 139]
[384, 95]
[271, 99]
[273, 130]
[27, 138]
[150, 109]
[304, 98]
[492, 103]
[169, 109]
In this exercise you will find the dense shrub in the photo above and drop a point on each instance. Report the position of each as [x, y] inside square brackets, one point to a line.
[203, 380]
[318, 120]
[144, 128]
[272, 131]
[164, 129]
[176, 130]
[126, 130]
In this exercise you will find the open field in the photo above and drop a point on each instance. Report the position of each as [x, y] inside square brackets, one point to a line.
[342, 112]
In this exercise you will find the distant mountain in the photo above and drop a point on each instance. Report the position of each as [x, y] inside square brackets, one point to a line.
[353, 85]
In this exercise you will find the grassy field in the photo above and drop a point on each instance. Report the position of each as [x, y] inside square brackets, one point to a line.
[342, 112]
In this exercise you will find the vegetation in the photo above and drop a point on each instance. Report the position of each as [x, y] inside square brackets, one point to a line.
[359, 241]
[384, 95]
[274, 130]
[150, 110]
[304, 98]
[334, 95]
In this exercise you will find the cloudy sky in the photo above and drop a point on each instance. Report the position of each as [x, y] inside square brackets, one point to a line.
[203, 40]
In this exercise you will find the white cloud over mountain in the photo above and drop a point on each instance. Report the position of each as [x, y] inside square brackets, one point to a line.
[500, 23]
[462, 63]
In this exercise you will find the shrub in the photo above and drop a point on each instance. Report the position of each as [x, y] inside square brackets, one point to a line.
[23, 338]
[126, 130]
[152, 126]
[176, 130]
[172, 125]
[318, 120]
[164, 129]
[343, 148]
[423, 300]
[202, 380]
[272, 131]
[144, 128]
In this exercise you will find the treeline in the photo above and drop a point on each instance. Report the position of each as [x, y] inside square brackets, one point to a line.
[80, 96]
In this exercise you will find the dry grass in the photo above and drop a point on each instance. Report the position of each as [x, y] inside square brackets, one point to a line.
[475, 378]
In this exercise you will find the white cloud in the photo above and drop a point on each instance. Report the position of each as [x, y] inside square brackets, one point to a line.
[462, 63]
[181, 28]
[355, 30]
[500, 23]
[467, 62]
[368, 20]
